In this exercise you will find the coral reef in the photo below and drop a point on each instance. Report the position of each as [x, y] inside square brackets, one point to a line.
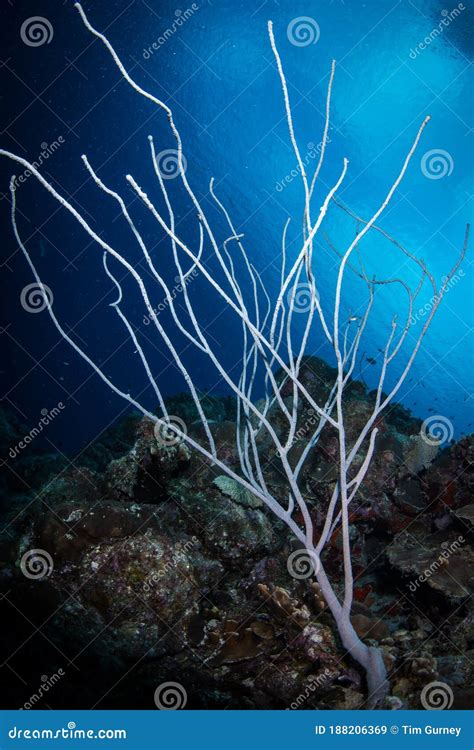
[164, 570]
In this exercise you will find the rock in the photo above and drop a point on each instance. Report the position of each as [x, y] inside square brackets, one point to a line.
[284, 606]
[143, 473]
[262, 630]
[239, 644]
[420, 454]
[73, 526]
[215, 408]
[315, 640]
[366, 627]
[232, 532]
[441, 560]
[402, 688]
[159, 576]
[423, 669]
[449, 482]
[466, 512]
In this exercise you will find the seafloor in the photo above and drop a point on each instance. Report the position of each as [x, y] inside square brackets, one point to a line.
[160, 574]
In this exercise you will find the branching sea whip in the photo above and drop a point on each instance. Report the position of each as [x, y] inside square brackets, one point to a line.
[270, 344]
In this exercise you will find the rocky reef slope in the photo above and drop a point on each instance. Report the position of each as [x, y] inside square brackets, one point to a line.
[152, 569]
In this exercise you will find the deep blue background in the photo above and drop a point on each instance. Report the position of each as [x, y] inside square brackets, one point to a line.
[217, 74]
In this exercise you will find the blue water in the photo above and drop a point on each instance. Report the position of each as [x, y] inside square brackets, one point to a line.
[217, 73]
